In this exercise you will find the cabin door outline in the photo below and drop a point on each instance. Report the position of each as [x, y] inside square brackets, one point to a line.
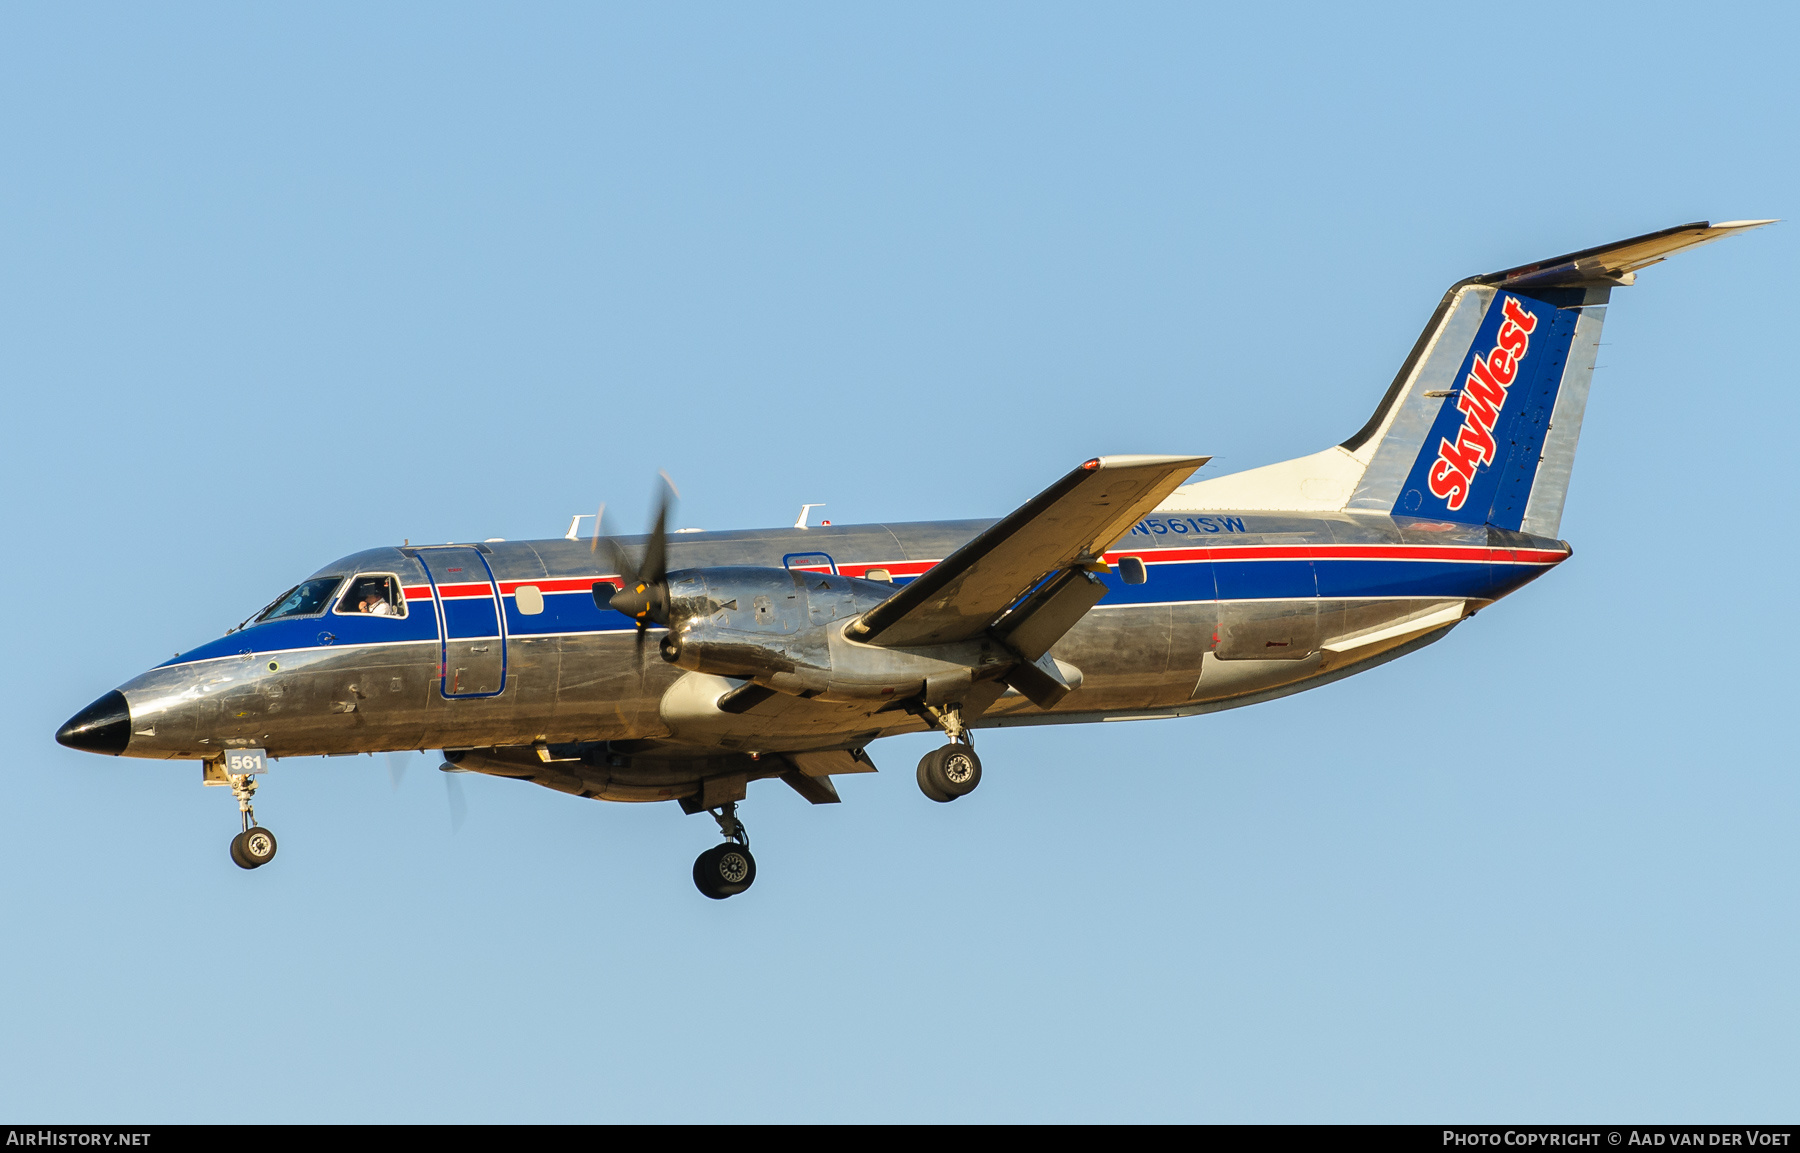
[471, 622]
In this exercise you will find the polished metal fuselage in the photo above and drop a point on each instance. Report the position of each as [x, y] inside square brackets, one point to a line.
[1236, 609]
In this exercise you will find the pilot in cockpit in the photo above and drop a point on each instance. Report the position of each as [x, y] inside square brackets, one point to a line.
[372, 598]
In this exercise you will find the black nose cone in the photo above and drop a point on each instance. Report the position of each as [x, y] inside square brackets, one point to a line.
[102, 727]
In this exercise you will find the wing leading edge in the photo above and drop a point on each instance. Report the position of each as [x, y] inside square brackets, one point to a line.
[1064, 527]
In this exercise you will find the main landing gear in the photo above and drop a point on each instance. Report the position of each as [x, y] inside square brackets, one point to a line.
[255, 846]
[954, 770]
[728, 869]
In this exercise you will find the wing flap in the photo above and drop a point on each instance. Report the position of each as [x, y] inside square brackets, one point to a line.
[831, 762]
[817, 790]
[1049, 612]
[1073, 520]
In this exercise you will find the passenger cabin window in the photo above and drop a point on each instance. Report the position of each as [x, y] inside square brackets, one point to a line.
[879, 574]
[306, 599]
[373, 595]
[1131, 569]
[530, 600]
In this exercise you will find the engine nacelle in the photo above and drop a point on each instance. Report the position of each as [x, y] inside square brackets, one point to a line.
[785, 630]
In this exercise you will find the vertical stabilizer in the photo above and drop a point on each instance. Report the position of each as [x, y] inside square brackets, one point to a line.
[1481, 422]
[1467, 437]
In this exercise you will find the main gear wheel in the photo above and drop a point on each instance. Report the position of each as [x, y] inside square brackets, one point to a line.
[724, 870]
[949, 772]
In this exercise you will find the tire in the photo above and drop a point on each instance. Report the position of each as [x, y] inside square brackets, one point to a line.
[953, 770]
[257, 847]
[237, 853]
[927, 778]
[724, 870]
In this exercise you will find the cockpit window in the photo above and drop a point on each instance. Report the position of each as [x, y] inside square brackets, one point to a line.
[373, 594]
[306, 599]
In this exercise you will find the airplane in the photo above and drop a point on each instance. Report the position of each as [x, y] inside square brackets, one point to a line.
[684, 666]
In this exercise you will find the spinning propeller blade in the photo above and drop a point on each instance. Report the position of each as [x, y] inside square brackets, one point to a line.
[459, 807]
[613, 553]
[396, 767]
[645, 595]
[453, 793]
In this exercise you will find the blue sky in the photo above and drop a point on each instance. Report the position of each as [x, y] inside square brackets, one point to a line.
[277, 284]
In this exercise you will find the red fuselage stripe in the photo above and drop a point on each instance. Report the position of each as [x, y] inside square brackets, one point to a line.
[1464, 554]
[1475, 554]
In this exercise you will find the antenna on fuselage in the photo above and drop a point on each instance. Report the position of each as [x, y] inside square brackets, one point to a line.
[806, 511]
[574, 532]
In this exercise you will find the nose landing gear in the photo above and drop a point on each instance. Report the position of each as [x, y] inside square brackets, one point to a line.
[728, 869]
[255, 846]
[954, 770]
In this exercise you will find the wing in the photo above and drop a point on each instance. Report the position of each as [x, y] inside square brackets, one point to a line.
[1067, 525]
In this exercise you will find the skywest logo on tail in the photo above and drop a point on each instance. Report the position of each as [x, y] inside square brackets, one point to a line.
[1482, 398]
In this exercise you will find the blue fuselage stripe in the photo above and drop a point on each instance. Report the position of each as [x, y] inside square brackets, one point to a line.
[1179, 582]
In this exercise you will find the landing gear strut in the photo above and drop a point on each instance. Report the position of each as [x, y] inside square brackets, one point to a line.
[728, 869]
[255, 846]
[954, 770]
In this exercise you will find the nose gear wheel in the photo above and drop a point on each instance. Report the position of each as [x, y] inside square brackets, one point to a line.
[253, 848]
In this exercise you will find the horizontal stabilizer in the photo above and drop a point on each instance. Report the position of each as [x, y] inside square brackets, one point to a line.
[1618, 262]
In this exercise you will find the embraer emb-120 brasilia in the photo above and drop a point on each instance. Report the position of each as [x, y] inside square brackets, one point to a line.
[682, 668]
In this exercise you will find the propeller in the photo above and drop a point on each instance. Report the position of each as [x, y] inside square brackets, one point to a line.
[396, 766]
[645, 597]
[453, 793]
[453, 796]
